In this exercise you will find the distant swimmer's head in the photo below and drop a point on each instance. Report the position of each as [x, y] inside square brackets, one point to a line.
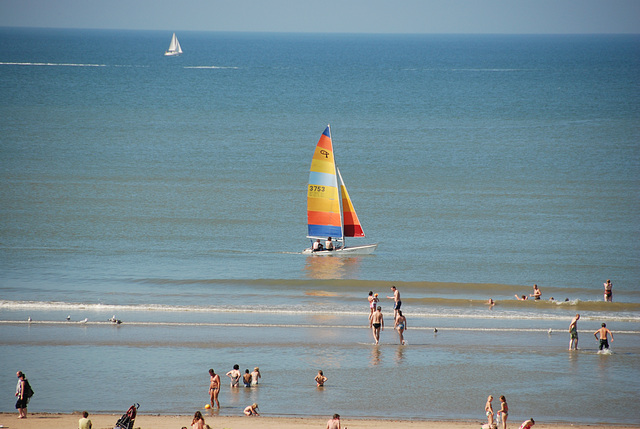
[604, 325]
[393, 287]
[236, 366]
[370, 293]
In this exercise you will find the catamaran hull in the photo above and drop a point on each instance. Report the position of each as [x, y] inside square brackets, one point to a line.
[366, 249]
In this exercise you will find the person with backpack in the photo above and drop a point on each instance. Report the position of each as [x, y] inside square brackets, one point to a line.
[24, 393]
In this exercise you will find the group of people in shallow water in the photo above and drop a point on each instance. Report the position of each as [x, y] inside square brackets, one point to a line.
[376, 319]
[502, 415]
[248, 379]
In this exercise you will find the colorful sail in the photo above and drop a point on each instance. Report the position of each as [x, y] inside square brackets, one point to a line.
[323, 200]
[351, 224]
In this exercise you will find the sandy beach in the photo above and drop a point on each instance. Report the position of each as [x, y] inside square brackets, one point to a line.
[107, 421]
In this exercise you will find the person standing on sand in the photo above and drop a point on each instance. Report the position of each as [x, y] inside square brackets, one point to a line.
[608, 292]
[488, 408]
[214, 388]
[573, 333]
[504, 411]
[84, 422]
[334, 423]
[401, 325]
[396, 299]
[235, 375]
[604, 333]
[377, 323]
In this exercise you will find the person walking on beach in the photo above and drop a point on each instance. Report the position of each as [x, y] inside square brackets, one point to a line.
[401, 325]
[527, 424]
[235, 375]
[573, 333]
[198, 421]
[84, 422]
[536, 292]
[255, 375]
[214, 387]
[377, 324]
[608, 292]
[504, 411]
[396, 300]
[334, 423]
[488, 409]
[604, 336]
[23, 392]
[320, 379]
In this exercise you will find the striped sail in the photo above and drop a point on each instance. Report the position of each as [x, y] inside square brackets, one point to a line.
[323, 200]
[352, 227]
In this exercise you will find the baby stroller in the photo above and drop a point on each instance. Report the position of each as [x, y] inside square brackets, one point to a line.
[128, 418]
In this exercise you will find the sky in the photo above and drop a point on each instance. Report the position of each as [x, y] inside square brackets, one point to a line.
[331, 16]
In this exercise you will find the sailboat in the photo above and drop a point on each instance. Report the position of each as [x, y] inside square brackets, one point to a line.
[174, 47]
[330, 212]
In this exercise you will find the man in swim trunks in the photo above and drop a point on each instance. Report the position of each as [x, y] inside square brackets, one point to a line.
[573, 332]
[377, 324]
[536, 292]
[604, 335]
[396, 299]
[608, 292]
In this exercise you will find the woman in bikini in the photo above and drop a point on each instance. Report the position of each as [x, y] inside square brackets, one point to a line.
[400, 325]
[214, 388]
[235, 375]
[504, 411]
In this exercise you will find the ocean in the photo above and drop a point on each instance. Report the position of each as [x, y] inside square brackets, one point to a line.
[170, 192]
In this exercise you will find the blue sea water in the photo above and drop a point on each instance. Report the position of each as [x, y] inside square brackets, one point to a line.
[171, 193]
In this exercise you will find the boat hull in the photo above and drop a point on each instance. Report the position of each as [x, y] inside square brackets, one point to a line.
[365, 249]
[171, 54]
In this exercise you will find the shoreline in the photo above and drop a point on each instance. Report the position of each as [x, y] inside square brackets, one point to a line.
[144, 421]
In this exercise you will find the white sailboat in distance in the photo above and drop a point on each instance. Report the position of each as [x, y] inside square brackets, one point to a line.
[174, 47]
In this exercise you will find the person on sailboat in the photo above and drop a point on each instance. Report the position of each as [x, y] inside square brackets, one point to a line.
[317, 246]
[328, 244]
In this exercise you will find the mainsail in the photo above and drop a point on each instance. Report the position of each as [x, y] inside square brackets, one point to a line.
[174, 47]
[323, 201]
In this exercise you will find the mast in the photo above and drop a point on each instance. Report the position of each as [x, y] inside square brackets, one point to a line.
[340, 186]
